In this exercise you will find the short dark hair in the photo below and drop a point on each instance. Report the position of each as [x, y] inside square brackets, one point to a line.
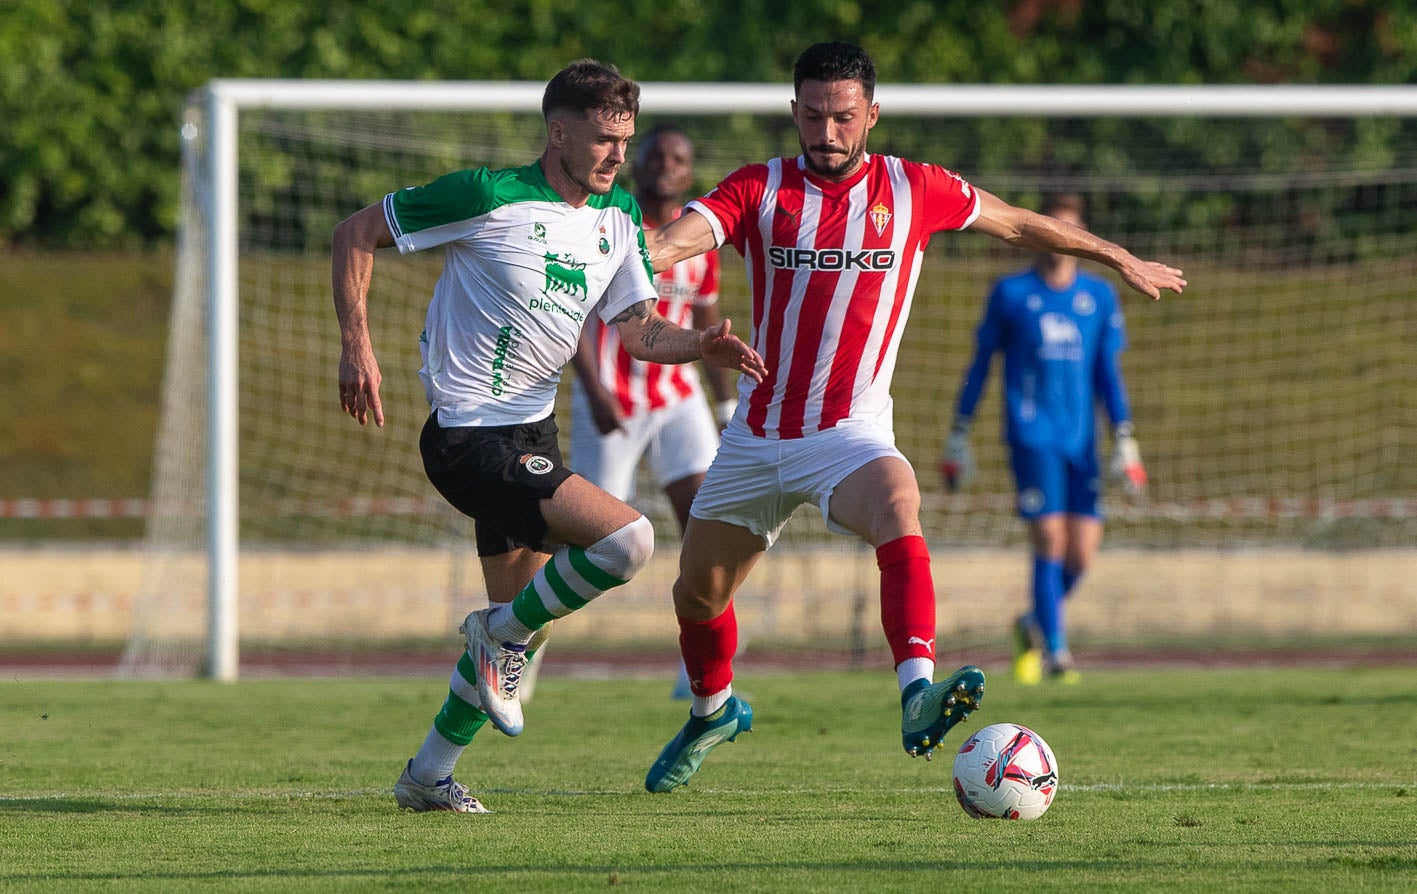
[588, 85]
[663, 128]
[835, 62]
[1054, 202]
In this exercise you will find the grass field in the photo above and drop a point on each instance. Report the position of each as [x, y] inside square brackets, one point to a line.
[1296, 780]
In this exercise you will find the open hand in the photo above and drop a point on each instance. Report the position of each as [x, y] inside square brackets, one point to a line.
[719, 347]
[1150, 277]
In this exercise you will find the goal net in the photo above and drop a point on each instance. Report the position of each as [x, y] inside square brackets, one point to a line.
[1274, 400]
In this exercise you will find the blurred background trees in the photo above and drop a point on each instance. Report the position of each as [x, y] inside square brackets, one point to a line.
[91, 91]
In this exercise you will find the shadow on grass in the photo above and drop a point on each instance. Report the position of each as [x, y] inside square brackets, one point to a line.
[620, 874]
[97, 805]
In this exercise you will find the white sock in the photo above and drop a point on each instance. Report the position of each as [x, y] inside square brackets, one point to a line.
[435, 759]
[503, 623]
[912, 669]
[705, 705]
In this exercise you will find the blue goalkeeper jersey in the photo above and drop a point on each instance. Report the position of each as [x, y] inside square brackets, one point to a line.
[1060, 357]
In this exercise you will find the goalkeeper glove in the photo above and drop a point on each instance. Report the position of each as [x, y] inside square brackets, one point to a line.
[957, 467]
[1126, 460]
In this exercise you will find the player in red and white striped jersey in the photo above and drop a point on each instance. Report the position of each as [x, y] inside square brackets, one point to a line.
[833, 240]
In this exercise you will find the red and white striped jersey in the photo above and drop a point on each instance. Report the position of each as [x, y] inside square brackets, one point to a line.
[641, 387]
[832, 268]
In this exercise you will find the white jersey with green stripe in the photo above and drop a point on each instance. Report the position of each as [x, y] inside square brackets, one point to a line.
[521, 271]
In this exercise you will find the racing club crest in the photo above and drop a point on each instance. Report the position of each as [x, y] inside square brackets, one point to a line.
[536, 465]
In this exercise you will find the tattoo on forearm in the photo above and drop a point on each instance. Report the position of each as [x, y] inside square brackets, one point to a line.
[653, 332]
[640, 310]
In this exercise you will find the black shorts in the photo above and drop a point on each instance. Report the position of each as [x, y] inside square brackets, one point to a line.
[498, 475]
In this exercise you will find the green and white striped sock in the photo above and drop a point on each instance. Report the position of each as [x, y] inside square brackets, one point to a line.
[453, 728]
[563, 585]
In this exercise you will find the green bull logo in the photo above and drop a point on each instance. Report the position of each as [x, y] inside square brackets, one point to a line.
[565, 275]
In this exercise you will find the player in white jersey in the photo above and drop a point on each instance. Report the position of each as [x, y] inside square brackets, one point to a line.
[833, 240]
[625, 410]
[528, 253]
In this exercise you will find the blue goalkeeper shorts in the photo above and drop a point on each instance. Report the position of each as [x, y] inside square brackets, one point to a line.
[1049, 482]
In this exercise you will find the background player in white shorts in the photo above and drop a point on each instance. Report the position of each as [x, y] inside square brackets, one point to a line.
[625, 410]
[833, 239]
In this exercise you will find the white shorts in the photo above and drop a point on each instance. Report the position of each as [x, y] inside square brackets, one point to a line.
[757, 483]
[679, 441]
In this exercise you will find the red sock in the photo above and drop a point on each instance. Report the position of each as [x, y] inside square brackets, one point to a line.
[907, 598]
[708, 648]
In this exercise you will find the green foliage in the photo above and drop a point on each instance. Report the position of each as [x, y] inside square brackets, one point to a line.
[1183, 780]
[92, 92]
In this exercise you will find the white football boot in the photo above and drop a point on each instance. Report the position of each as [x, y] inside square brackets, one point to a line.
[499, 668]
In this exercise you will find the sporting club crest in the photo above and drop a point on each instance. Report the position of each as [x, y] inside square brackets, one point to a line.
[880, 217]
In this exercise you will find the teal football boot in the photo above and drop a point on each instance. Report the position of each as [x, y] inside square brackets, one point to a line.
[681, 758]
[930, 710]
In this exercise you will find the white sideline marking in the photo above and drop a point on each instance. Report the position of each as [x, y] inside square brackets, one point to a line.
[1147, 788]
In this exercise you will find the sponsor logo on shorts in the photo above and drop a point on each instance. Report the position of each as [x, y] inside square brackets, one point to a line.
[1030, 499]
[536, 465]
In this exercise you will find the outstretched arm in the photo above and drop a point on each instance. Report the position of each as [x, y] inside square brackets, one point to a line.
[687, 235]
[1025, 229]
[351, 269]
[649, 336]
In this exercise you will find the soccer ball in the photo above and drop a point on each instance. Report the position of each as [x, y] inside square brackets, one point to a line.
[1005, 771]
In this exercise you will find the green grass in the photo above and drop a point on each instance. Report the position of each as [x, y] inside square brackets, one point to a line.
[1302, 780]
[81, 351]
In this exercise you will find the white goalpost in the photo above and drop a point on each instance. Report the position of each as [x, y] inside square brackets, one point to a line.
[276, 522]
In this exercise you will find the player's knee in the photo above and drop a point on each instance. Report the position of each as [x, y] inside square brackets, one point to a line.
[896, 514]
[698, 600]
[626, 551]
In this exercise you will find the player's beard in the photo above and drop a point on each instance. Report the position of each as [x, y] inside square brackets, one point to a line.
[586, 183]
[847, 163]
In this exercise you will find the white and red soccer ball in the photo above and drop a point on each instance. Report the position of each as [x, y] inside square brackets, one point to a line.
[1005, 771]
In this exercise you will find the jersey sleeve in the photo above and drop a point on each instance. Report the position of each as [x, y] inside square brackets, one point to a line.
[731, 206]
[1114, 335]
[1107, 370]
[986, 341]
[708, 289]
[949, 202]
[632, 283]
[438, 213]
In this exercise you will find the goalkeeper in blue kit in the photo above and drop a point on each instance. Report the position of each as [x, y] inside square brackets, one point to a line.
[1060, 330]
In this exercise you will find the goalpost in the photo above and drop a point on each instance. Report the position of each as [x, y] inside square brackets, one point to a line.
[1297, 269]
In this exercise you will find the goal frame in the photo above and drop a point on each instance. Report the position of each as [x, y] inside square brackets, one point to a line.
[225, 98]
